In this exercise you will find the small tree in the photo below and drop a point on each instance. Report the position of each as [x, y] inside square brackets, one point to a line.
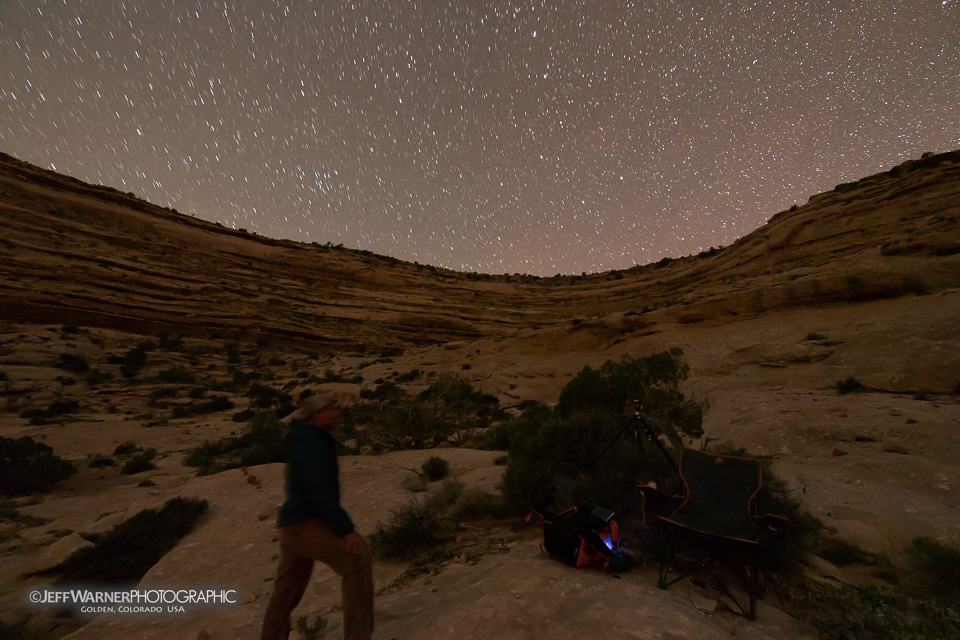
[574, 453]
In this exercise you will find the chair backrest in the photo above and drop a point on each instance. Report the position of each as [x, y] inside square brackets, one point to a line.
[721, 491]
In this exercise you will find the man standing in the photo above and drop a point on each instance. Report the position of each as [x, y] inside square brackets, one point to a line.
[313, 526]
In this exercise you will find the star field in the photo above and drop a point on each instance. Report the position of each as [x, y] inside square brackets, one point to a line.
[535, 137]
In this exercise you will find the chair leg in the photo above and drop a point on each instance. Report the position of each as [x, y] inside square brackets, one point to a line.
[754, 583]
[665, 565]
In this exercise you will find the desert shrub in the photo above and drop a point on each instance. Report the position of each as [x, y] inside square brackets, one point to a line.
[205, 456]
[842, 552]
[435, 468]
[449, 492]
[126, 552]
[332, 376]
[126, 449]
[413, 530]
[261, 444]
[264, 396]
[56, 408]
[476, 503]
[140, 462]
[16, 631]
[134, 359]
[73, 363]
[177, 374]
[311, 630]
[937, 566]
[409, 376]
[213, 405]
[393, 419]
[242, 416]
[494, 438]
[775, 497]
[571, 454]
[27, 466]
[99, 462]
[285, 409]
[840, 611]
[95, 377]
[849, 385]
[923, 605]
[170, 343]
[163, 392]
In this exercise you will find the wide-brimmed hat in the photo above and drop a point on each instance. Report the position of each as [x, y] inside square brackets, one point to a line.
[312, 405]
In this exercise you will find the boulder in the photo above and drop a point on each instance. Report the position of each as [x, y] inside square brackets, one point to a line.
[54, 555]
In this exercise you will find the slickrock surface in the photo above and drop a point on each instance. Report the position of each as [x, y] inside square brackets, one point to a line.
[862, 282]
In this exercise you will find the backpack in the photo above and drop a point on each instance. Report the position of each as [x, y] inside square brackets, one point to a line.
[582, 538]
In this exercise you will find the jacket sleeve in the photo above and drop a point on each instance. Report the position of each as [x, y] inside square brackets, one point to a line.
[316, 473]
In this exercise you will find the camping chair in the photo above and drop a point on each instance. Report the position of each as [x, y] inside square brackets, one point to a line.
[719, 512]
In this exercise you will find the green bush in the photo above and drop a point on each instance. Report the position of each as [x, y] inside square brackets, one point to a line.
[125, 553]
[572, 454]
[435, 468]
[27, 466]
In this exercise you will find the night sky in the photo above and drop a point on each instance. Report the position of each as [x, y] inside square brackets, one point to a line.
[534, 137]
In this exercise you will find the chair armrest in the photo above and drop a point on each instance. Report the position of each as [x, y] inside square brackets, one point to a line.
[776, 525]
[657, 504]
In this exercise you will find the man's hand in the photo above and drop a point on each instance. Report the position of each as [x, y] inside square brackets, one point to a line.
[355, 543]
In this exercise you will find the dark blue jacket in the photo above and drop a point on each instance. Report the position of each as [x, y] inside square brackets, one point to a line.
[312, 479]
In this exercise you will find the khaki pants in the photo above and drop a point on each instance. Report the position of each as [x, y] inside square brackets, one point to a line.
[300, 546]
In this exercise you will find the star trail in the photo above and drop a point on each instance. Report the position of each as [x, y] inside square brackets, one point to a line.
[534, 137]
